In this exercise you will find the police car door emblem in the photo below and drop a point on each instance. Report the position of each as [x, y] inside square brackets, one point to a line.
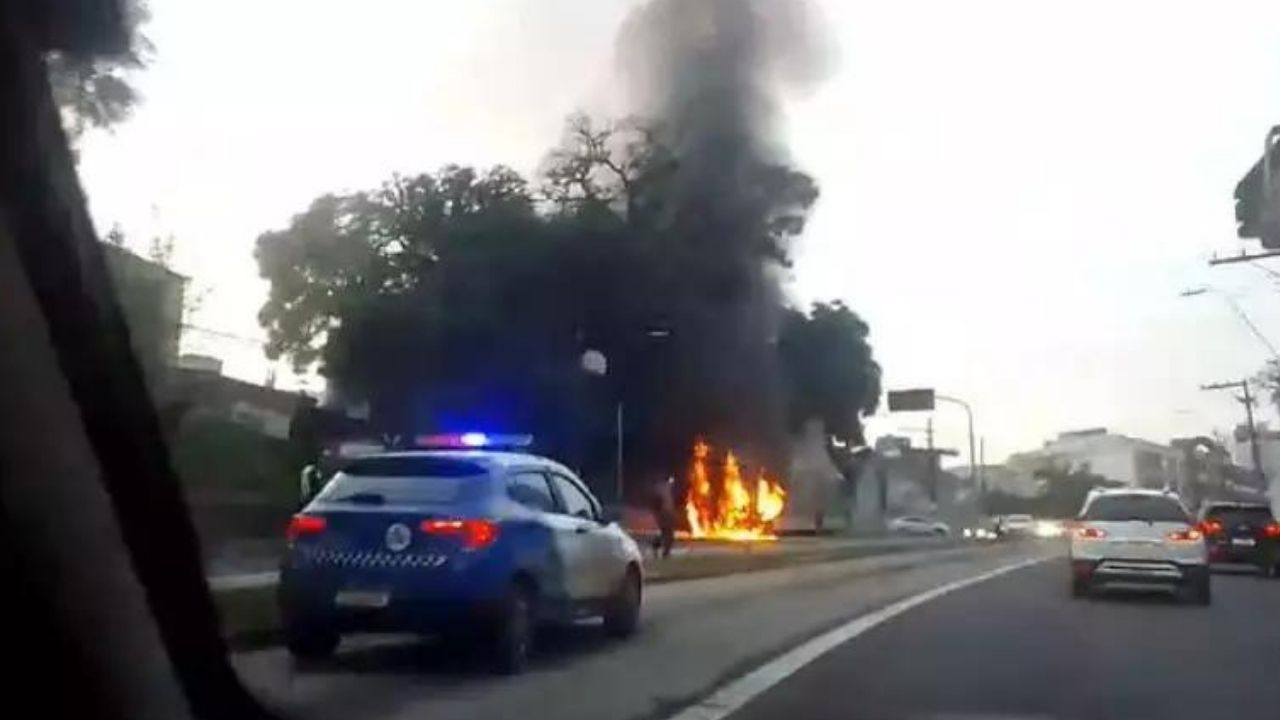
[398, 537]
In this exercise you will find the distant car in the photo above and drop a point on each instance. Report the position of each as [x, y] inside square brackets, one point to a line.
[1138, 537]
[1242, 533]
[1018, 524]
[916, 525]
[481, 543]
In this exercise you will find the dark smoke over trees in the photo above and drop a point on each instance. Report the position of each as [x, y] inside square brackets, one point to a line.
[468, 297]
[709, 74]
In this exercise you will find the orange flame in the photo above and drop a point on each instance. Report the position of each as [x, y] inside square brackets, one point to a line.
[736, 512]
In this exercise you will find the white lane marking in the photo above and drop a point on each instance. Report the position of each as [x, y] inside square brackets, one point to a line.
[244, 581]
[733, 695]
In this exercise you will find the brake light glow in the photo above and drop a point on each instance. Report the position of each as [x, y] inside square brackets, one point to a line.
[475, 534]
[1090, 533]
[1188, 535]
[1210, 527]
[1272, 530]
[301, 525]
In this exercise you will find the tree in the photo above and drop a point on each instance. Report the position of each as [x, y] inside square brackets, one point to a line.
[95, 90]
[829, 368]
[435, 282]
[465, 297]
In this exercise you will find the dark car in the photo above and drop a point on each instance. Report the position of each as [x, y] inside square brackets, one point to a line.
[1242, 533]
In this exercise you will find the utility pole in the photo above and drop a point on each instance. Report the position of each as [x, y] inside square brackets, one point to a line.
[1247, 398]
[931, 474]
[982, 462]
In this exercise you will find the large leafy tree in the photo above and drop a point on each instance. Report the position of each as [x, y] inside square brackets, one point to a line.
[830, 371]
[435, 280]
[462, 293]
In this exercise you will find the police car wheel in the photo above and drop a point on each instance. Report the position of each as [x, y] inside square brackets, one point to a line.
[622, 615]
[513, 636]
[311, 644]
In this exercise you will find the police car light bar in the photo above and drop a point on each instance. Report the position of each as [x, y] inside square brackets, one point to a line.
[472, 440]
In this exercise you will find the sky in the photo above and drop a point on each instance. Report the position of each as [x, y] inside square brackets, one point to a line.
[1014, 193]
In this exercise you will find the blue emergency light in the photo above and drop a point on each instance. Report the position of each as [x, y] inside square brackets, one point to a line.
[472, 441]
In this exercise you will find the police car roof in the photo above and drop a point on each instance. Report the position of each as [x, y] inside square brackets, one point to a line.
[500, 459]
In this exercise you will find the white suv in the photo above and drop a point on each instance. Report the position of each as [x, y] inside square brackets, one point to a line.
[1138, 537]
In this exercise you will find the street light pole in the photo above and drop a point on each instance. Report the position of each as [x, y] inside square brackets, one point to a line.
[973, 457]
[618, 455]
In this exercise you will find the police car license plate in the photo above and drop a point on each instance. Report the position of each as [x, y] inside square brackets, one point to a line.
[362, 598]
[1243, 542]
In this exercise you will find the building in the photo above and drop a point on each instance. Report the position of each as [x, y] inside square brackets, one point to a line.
[205, 391]
[1132, 461]
[1269, 454]
[1011, 479]
[151, 298]
[1268, 449]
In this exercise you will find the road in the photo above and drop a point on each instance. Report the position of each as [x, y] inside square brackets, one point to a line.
[1011, 646]
[694, 636]
[1017, 646]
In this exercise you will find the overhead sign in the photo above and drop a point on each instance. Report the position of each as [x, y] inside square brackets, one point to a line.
[911, 400]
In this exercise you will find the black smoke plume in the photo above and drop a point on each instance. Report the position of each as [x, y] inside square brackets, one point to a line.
[712, 75]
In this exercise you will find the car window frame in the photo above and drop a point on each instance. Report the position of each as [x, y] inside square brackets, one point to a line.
[556, 505]
[593, 505]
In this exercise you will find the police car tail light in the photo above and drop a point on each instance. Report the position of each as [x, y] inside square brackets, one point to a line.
[475, 534]
[305, 525]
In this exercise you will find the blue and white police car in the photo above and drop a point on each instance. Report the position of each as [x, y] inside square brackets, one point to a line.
[459, 537]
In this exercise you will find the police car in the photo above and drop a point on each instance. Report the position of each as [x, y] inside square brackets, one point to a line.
[461, 537]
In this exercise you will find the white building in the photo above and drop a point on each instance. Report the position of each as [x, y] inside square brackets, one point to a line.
[1011, 479]
[1132, 461]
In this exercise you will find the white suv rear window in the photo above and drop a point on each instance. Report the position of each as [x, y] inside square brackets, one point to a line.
[1148, 508]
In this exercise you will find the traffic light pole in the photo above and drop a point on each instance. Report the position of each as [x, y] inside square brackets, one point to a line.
[973, 457]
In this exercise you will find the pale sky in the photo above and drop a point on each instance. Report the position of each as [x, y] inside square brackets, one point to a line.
[1013, 192]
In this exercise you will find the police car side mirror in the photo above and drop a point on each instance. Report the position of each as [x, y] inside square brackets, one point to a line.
[610, 515]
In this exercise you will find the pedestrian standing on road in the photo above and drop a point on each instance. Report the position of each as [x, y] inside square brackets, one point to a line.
[663, 504]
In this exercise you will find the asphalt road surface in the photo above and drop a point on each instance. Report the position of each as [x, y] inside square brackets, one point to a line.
[1017, 646]
[695, 635]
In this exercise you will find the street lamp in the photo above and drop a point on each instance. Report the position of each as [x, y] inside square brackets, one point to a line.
[1239, 311]
[595, 362]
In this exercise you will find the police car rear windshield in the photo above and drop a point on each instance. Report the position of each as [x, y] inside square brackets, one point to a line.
[1148, 508]
[404, 480]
